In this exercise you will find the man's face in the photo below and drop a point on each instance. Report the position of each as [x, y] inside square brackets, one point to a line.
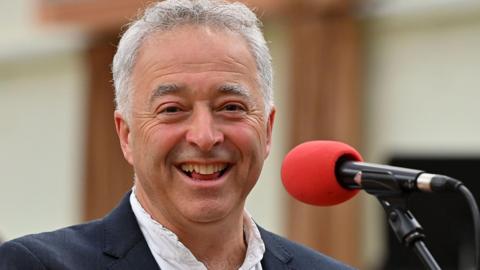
[198, 135]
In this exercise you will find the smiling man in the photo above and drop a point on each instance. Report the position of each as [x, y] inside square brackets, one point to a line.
[194, 117]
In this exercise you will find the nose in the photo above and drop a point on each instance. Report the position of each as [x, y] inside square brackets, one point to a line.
[203, 131]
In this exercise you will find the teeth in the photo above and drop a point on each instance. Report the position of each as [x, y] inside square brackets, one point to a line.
[203, 168]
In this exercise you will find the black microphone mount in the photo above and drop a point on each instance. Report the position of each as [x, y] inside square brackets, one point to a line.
[393, 199]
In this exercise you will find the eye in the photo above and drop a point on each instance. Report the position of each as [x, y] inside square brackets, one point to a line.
[171, 109]
[233, 107]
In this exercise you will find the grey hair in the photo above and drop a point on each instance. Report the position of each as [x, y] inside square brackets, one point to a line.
[166, 15]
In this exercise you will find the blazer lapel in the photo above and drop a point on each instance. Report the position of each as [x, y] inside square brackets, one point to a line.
[139, 257]
[276, 256]
[271, 262]
[124, 241]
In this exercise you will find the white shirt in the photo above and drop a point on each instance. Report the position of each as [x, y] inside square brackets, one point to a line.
[170, 253]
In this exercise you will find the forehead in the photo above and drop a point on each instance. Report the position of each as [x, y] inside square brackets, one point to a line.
[190, 45]
[191, 52]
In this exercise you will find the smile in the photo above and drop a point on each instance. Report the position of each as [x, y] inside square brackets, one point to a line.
[204, 171]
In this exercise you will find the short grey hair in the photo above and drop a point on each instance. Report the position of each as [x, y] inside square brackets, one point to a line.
[166, 15]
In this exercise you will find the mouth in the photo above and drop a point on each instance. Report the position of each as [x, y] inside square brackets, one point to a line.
[204, 172]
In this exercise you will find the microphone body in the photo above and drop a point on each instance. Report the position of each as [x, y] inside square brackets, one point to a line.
[351, 174]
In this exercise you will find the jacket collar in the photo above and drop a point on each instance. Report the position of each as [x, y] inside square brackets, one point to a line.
[276, 256]
[124, 241]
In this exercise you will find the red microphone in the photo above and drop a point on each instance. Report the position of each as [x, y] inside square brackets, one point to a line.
[309, 172]
[327, 173]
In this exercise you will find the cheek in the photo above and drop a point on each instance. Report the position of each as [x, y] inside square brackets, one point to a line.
[249, 140]
[155, 143]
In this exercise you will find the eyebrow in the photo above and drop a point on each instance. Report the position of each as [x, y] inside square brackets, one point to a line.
[162, 90]
[235, 89]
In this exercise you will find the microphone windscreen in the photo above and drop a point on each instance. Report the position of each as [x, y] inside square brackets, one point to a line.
[308, 172]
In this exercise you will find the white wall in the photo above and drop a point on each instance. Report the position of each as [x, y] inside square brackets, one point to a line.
[42, 96]
[423, 84]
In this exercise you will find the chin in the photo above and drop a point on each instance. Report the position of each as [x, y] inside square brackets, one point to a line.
[208, 212]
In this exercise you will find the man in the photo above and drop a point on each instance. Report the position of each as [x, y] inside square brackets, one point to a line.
[194, 116]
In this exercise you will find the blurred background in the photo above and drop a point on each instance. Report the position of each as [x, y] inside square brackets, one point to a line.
[397, 79]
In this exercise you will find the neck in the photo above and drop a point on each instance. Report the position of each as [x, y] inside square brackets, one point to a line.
[216, 246]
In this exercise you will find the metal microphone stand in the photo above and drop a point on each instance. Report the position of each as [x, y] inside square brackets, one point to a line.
[403, 223]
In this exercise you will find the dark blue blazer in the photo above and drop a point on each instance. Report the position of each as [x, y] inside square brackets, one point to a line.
[116, 242]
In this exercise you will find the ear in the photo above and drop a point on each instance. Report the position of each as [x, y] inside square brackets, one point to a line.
[270, 121]
[123, 132]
